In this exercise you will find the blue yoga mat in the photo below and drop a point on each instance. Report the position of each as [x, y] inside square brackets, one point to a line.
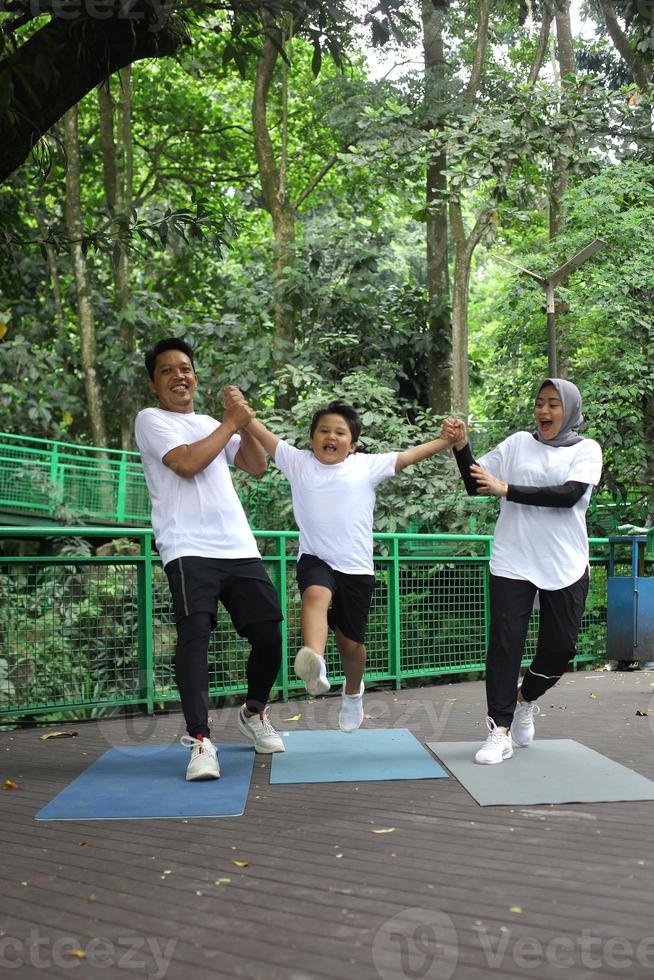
[364, 755]
[148, 783]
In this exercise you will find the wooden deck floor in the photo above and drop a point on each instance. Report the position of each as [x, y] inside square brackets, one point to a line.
[456, 890]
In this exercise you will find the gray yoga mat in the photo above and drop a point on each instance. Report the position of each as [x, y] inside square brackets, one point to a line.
[557, 770]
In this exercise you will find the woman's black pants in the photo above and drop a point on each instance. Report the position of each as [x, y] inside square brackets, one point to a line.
[511, 603]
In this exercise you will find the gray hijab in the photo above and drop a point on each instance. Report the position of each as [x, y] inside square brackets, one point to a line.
[570, 396]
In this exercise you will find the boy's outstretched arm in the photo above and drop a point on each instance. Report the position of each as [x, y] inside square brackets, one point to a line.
[263, 435]
[417, 453]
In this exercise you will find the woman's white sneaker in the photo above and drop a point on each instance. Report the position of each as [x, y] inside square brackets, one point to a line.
[522, 726]
[351, 713]
[204, 758]
[311, 669]
[497, 746]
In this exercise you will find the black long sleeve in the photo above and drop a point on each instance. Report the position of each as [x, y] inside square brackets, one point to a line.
[565, 495]
[464, 460]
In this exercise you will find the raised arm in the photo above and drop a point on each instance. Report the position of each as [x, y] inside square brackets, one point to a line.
[268, 439]
[417, 453]
[190, 459]
[250, 457]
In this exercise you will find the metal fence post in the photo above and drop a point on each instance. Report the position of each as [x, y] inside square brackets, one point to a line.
[394, 614]
[283, 599]
[487, 553]
[146, 645]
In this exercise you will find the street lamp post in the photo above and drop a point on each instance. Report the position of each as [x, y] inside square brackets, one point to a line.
[548, 283]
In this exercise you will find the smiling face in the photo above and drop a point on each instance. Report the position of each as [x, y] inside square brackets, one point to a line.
[174, 381]
[331, 441]
[548, 412]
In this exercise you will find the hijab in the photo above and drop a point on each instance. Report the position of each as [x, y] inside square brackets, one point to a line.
[568, 434]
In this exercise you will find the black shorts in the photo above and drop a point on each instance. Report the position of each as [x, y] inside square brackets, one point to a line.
[241, 584]
[351, 595]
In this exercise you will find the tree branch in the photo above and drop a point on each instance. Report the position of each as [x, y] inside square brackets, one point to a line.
[74, 56]
[480, 53]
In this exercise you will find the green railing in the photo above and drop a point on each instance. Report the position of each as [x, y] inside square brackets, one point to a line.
[84, 634]
[69, 483]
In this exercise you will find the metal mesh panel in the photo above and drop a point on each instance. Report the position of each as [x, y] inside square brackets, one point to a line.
[442, 618]
[68, 633]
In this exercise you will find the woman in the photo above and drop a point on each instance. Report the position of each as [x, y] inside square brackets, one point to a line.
[540, 547]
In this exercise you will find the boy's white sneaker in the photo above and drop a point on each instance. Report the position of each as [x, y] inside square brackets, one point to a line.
[260, 732]
[522, 726]
[204, 758]
[351, 714]
[496, 748]
[311, 669]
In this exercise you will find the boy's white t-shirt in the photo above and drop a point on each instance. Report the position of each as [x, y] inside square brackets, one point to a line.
[201, 515]
[544, 545]
[334, 504]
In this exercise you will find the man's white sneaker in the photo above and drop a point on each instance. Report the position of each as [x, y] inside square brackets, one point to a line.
[522, 726]
[351, 713]
[311, 669]
[496, 748]
[204, 758]
[260, 732]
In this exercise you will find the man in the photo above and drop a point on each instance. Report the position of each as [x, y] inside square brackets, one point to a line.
[207, 548]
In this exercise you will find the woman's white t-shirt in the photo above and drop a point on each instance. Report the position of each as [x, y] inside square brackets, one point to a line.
[544, 545]
[334, 504]
[201, 515]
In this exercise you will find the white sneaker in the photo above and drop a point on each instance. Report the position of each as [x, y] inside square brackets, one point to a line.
[497, 746]
[260, 732]
[351, 713]
[522, 726]
[204, 758]
[311, 669]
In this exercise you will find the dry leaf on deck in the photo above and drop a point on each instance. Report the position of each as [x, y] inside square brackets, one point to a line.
[593, 696]
[47, 735]
[9, 784]
[384, 830]
[641, 713]
[292, 718]
[241, 864]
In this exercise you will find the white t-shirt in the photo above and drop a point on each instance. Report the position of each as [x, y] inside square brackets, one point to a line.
[544, 545]
[334, 504]
[201, 515]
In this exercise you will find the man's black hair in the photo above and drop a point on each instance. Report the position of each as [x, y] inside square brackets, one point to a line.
[168, 343]
[339, 407]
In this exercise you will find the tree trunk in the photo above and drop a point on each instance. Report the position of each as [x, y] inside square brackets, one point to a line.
[567, 68]
[438, 281]
[75, 228]
[73, 56]
[282, 212]
[640, 69]
[117, 157]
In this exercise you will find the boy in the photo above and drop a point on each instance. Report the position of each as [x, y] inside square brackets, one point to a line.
[207, 549]
[333, 490]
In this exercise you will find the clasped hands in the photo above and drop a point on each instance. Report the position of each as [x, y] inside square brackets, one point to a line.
[454, 430]
[237, 411]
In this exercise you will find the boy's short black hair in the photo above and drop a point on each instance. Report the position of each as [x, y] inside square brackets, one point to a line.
[168, 343]
[339, 407]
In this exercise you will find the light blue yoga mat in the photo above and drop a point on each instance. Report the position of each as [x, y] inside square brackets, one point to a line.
[148, 783]
[364, 755]
[556, 770]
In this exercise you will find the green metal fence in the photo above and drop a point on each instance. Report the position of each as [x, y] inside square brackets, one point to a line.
[89, 633]
[66, 482]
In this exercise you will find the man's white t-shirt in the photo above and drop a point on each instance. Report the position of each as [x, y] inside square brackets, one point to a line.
[544, 545]
[334, 504]
[201, 515]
